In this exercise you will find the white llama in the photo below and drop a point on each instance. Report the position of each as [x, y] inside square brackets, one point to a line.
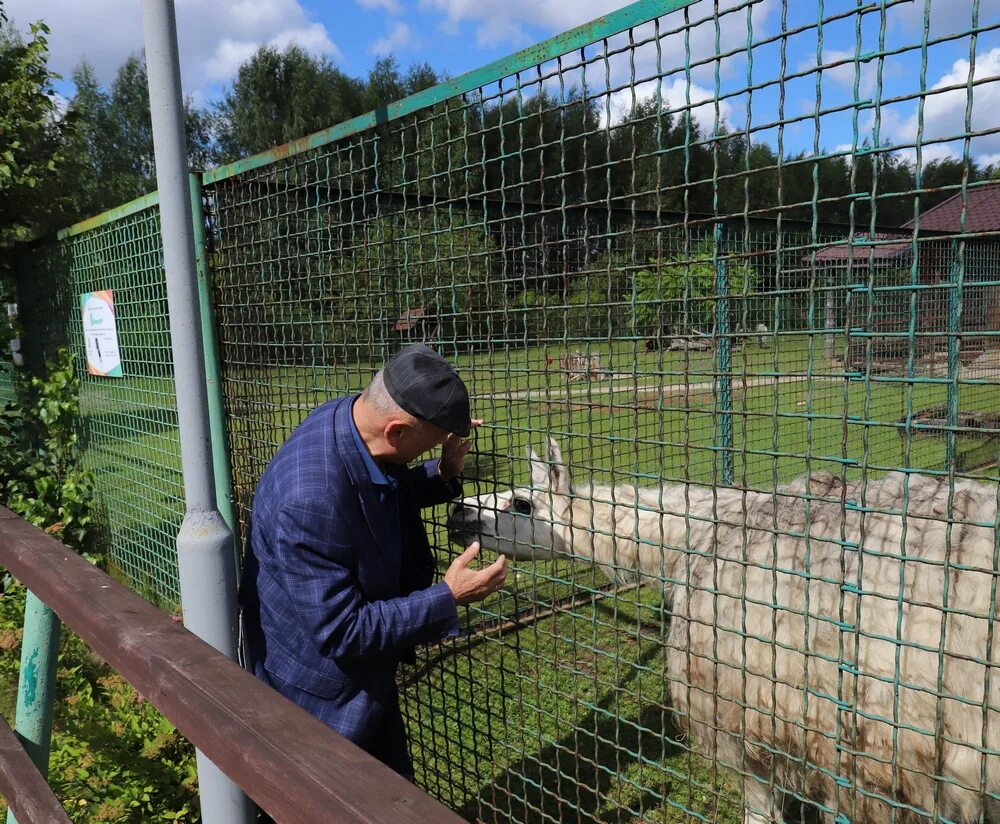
[875, 708]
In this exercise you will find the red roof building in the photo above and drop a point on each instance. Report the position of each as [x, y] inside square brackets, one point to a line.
[982, 211]
[881, 268]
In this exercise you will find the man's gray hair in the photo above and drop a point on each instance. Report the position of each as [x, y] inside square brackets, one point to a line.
[379, 399]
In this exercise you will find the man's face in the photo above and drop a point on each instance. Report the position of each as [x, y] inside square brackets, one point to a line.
[413, 439]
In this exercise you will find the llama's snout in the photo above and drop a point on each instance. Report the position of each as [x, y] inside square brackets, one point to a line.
[463, 523]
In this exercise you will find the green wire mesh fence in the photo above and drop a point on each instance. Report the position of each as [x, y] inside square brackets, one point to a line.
[692, 257]
[599, 240]
[9, 322]
[128, 424]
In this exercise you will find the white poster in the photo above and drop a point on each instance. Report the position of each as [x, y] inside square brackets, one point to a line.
[15, 343]
[100, 334]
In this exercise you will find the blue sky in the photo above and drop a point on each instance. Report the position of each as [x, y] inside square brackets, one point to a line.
[458, 35]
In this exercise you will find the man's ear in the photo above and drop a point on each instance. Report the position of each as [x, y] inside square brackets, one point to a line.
[393, 432]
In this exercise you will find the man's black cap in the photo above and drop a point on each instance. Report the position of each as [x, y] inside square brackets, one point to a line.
[427, 386]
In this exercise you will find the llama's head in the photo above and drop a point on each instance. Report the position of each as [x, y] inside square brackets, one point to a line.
[526, 523]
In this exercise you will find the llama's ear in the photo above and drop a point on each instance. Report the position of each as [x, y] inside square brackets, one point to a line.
[539, 470]
[558, 476]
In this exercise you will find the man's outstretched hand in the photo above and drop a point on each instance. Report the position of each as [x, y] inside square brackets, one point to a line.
[471, 585]
[453, 453]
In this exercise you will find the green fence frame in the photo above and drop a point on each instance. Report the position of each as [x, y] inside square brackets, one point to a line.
[672, 328]
[128, 427]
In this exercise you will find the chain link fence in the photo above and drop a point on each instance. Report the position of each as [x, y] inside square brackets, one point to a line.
[742, 414]
[612, 269]
[128, 424]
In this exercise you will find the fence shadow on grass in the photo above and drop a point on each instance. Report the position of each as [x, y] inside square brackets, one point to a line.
[101, 428]
[578, 778]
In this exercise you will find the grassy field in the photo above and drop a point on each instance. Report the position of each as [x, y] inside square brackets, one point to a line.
[567, 718]
[131, 444]
[564, 714]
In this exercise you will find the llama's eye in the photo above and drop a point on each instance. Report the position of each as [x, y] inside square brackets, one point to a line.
[522, 506]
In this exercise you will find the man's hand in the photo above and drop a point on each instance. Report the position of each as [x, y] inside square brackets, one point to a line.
[453, 454]
[471, 585]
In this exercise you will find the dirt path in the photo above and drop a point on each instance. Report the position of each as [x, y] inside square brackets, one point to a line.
[646, 391]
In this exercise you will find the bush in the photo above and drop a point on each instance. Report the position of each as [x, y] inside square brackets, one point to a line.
[41, 476]
[113, 757]
[680, 294]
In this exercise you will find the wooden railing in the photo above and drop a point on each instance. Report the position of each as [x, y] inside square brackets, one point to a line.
[293, 766]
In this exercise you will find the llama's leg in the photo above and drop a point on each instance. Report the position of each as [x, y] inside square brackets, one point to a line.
[760, 806]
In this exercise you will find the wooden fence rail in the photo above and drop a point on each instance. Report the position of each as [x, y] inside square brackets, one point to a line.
[29, 796]
[293, 766]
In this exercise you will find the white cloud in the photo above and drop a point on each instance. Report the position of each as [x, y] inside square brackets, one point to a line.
[554, 15]
[391, 6]
[945, 111]
[929, 154]
[398, 37]
[228, 56]
[676, 95]
[839, 67]
[498, 32]
[947, 17]
[844, 73]
[213, 37]
[634, 72]
[628, 74]
[61, 104]
[312, 37]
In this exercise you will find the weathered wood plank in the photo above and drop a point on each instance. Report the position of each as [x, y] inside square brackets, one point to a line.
[292, 765]
[25, 789]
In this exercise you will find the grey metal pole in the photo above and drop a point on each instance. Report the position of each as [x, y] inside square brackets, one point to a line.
[830, 316]
[205, 543]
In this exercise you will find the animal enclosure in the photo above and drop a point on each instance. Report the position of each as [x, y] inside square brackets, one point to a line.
[699, 245]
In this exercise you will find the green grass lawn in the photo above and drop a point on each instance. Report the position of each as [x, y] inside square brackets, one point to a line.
[565, 717]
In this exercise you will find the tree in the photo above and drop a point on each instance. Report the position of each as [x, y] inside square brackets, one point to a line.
[414, 266]
[110, 157]
[279, 96]
[386, 83]
[31, 131]
[940, 180]
[677, 165]
[682, 293]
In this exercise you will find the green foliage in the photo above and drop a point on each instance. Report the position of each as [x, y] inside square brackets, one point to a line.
[682, 293]
[595, 302]
[617, 295]
[114, 757]
[30, 131]
[41, 477]
[109, 153]
[279, 96]
[537, 138]
[386, 83]
[417, 265]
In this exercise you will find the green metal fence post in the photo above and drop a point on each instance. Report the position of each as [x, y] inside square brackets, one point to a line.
[37, 683]
[217, 422]
[954, 364]
[723, 359]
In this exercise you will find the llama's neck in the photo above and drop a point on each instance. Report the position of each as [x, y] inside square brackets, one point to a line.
[640, 530]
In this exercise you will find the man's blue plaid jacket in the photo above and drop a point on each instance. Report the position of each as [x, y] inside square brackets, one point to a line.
[335, 590]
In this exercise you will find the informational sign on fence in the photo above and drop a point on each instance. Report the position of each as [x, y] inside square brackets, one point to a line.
[101, 334]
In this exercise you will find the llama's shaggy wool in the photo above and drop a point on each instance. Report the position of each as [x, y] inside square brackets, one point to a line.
[830, 640]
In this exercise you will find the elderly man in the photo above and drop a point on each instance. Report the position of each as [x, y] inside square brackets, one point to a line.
[338, 581]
